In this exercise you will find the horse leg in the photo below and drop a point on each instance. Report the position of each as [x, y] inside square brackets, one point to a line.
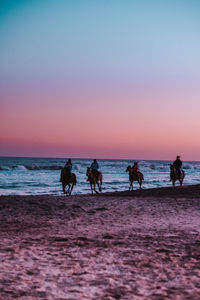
[68, 190]
[100, 183]
[95, 188]
[99, 186]
[91, 188]
[63, 187]
[131, 186]
[140, 183]
[71, 188]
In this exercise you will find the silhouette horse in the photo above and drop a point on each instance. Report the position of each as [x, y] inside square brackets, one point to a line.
[94, 180]
[134, 176]
[67, 180]
[174, 175]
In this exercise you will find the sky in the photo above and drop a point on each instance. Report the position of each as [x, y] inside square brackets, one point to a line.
[100, 79]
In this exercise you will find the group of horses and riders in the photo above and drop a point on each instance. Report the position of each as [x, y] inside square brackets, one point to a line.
[68, 179]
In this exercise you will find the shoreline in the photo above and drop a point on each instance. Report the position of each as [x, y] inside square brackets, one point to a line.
[185, 190]
[142, 244]
[178, 191]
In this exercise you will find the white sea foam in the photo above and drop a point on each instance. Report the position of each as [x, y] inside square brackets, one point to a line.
[41, 175]
[21, 168]
[77, 167]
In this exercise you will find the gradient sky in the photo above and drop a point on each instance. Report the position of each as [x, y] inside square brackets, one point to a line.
[105, 79]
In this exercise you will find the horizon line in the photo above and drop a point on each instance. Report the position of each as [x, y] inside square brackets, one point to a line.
[86, 158]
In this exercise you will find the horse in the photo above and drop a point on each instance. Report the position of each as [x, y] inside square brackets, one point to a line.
[133, 176]
[94, 180]
[67, 180]
[174, 175]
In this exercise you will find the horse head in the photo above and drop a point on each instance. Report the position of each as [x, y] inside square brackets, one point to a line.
[88, 172]
[172, 168]
[128, 169]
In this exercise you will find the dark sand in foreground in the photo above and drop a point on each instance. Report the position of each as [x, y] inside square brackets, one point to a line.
[127, 245]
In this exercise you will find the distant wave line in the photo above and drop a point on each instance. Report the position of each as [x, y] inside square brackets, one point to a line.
[32, 168]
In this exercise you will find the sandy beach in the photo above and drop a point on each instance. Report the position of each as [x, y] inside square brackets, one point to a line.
[126, 245]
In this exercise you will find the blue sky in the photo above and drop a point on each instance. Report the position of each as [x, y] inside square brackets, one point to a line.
[100, 39]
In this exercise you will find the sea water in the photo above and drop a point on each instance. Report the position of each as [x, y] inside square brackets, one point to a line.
[34, 176]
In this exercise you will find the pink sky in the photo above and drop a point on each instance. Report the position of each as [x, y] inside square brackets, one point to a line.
[129, 122]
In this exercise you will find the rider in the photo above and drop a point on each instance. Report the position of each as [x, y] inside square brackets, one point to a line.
[95, 166]
[68, 167]
[135, 168]
[177, 165]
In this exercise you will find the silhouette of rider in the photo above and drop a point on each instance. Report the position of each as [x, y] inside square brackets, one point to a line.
[95, 166]
[177, 165]
[68, 167]
[135, 168]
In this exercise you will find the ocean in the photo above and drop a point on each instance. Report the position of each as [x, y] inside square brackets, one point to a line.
[35, 176]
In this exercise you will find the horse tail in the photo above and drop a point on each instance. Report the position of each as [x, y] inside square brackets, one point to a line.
[74, 179]
[183, 174]
[101, 178]
[140, 175]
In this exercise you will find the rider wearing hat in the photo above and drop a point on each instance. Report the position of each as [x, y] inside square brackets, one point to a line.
[68, 167]
[177, 165]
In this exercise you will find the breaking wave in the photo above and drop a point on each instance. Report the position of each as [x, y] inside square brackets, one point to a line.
[29, 167]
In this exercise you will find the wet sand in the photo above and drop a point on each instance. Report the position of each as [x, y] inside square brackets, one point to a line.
[127, 245]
